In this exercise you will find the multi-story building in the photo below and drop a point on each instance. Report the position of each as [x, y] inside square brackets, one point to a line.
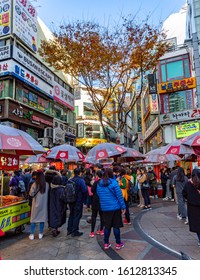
[33, 97]
[88, 126]
[193, 37]
[173, 110]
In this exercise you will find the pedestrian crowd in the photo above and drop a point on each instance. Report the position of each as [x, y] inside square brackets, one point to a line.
[107, 193]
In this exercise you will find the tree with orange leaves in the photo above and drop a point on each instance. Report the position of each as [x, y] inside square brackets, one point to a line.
[108, 62]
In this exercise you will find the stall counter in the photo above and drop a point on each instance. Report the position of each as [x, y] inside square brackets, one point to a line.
[14, 216]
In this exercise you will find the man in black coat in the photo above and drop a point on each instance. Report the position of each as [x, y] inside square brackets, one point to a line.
[76, 208]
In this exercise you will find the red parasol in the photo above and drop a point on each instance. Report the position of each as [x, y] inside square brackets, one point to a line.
[66, 153]
[104, 150]
[16, 141]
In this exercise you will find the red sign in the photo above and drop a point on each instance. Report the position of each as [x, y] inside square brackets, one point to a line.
[9, 162]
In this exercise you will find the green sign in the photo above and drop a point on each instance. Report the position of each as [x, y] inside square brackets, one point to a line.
[15, 215]
[186, 129]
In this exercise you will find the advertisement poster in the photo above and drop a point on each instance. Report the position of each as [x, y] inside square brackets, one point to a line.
[14, 215]
[25, 23]
[5, 20]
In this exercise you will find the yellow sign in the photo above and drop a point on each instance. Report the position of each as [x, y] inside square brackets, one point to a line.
[186, 129]
[177, 85]
[89, 142]
[12, 216]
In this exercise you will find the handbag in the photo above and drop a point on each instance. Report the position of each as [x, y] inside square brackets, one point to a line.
[145, 185]
[30, 198]
[90, 191]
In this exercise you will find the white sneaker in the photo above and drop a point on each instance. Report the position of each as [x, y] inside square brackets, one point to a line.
[165, 198]
[179, 217]
[186, 221]
[31, 236]
[40, 235]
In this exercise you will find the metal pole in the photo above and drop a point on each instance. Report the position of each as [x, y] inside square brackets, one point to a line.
[1, 200]
[196, 65]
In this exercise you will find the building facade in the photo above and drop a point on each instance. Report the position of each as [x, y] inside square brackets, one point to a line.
[33, 97]
[170, 102]
[89, 129]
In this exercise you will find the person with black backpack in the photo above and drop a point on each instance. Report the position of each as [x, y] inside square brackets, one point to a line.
[76, 208]
[152, 178]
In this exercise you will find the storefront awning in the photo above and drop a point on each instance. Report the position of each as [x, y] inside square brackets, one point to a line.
[70, 135]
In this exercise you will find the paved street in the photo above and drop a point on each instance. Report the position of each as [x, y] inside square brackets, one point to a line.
[153, 235]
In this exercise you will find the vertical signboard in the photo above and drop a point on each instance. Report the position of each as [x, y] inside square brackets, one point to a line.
[153, 101]
[25, 23]
[5, 17]
[152, 83]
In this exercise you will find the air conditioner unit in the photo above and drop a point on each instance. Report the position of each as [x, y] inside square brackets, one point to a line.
[44, 142]
[48, 132]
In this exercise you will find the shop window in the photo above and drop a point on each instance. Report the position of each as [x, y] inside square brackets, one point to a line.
[176, 102]
[31, 99]
[58, 112]
[5, 90]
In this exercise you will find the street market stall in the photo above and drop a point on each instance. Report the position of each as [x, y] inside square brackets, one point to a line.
[14, 210]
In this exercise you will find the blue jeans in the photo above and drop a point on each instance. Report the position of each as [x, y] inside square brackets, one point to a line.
[127, 213]
[145, 194]
[116, 232]
[76, 210]
[33, 226]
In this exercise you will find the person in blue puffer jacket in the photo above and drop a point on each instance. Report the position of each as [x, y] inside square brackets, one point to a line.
[112, 206]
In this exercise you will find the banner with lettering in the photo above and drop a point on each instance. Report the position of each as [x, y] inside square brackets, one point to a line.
[9, 162]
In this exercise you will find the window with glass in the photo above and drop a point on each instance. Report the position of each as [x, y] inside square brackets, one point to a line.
[5, 89]
[149, 120]
[177, 101]
[76, 109]
[71, 118]
[175, 68]
[146, 104]
[88, 109]
[58, 112]
[31, 99]
[92, 131]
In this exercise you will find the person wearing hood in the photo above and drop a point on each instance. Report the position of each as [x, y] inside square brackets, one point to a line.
[57, 205]
[49, 174]
[112, 206]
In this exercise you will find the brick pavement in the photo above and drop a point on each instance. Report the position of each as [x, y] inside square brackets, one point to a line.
[153, 235]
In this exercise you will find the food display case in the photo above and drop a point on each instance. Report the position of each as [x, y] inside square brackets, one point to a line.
[14, 213]
[14, 210]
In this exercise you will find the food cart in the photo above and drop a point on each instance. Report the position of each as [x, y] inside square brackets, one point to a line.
[14, 210]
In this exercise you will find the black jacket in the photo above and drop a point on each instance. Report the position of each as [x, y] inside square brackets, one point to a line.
[95, 198]
[193, 206]
[57, 207]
